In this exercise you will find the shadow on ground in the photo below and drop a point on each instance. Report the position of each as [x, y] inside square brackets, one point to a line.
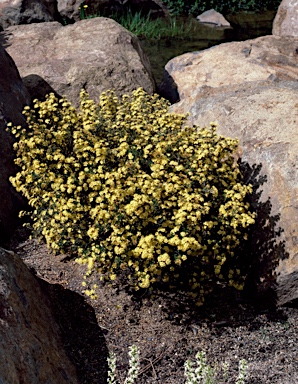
[258, 258]
[82, 338]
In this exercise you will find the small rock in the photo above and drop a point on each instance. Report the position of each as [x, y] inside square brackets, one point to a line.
[214, 18]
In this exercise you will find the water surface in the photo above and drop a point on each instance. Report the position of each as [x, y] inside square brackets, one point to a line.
[245, 26]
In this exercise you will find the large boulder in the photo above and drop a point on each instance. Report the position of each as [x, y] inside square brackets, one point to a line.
[230, 64]
[95, 54]
[13, 98]
[25, 12]
[250, 88]
[286, 19]
[31, 347]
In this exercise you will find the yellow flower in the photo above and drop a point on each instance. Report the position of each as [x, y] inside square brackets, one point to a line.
[128, 184]
[92, 233]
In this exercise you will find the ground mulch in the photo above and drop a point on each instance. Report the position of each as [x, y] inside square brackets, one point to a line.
[168, 328]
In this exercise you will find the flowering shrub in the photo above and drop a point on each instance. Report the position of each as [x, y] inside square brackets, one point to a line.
[125, 185]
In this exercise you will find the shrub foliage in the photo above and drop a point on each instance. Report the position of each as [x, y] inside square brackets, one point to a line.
[126, 185]
[194, 7]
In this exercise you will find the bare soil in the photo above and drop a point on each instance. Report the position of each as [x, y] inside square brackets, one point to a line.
[168, 328]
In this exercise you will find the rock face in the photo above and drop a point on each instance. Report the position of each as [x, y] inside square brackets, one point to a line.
[231, 64]
[214, 18]
[250, 88]
[30, 343]
[69, 9]
[13, 98]
[25, 12]
[286, 20]
[95, 54]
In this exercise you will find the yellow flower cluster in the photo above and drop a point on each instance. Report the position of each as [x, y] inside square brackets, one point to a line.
[126, 185]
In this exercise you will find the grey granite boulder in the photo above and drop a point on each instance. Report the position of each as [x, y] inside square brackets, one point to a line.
[95, 54]
[250, 88]
[25, 12]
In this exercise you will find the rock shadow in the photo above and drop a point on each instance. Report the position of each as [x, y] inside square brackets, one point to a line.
[37, 87]
[82, 338]
[265, 248]
[4, 38]
[168, 88]
[258, 258]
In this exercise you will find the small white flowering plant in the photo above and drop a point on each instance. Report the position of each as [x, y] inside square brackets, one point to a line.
[134, 366]
[198, 372]
[125, 185]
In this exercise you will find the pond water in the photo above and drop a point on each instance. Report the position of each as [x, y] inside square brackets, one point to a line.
[245, 26]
